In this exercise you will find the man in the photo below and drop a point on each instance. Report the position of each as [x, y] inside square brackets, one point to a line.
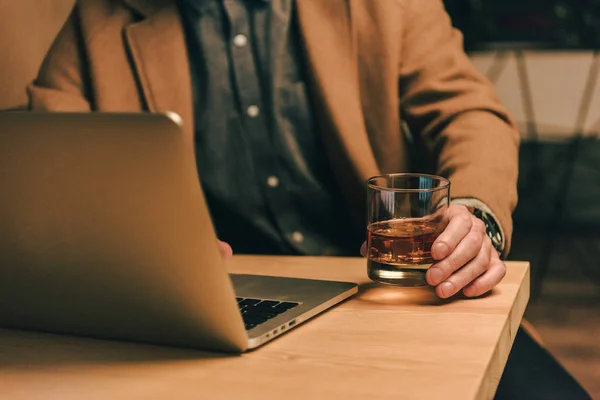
[292, 105]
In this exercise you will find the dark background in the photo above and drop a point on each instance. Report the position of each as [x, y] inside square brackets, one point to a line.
[564, 24]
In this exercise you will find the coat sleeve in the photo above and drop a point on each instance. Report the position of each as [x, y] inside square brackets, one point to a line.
[455, 109]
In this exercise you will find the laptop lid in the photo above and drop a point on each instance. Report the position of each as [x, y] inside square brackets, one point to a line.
[104, 232]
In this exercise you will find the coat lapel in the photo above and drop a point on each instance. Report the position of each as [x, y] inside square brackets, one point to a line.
[157, 46]
[330, 43]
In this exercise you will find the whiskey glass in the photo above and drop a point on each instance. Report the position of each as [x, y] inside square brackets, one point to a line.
[406, 214]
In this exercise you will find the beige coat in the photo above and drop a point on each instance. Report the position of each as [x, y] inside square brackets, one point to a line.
[371, 63]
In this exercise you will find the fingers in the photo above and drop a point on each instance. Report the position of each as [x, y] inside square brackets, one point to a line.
[467, 274]
[486, 282]
[363, 249]
[226, 250]
[459, 226]
[469, 247]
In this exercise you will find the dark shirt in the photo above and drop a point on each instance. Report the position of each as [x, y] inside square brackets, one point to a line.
[260, 157]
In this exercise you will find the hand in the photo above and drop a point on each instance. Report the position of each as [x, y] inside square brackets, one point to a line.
[465, 257]
[226, 250]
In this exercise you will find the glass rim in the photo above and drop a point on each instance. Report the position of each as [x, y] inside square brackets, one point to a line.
[445, 183]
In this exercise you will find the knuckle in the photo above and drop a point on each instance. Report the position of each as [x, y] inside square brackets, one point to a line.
[474, 243]
[466, 219]
[478, 225]
[463, 208]
[484, 258]
[460, 208]
[488, 241]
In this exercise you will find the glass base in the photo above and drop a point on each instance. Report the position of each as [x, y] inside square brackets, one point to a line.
[398, 274]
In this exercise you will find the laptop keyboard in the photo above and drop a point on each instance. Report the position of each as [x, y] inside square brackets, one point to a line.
[256, 311]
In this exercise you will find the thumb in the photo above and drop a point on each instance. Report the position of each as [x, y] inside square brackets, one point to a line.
[226, 250]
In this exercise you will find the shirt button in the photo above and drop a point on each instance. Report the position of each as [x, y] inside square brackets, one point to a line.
[240, 40]
[297, 237]
[253, 111]
[273, 181]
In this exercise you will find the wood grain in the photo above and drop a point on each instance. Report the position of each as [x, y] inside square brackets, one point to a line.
[384, 343]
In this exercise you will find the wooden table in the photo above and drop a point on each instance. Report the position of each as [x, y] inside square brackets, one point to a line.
[385, 343]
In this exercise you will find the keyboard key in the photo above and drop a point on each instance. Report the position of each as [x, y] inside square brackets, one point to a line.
[263, 314]
[287, 305]
[268, 303]
[263, 308]
[249, 302]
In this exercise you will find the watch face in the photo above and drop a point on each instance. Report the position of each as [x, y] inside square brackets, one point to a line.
[492, 229]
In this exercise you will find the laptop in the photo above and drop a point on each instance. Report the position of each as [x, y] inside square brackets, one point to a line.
[104, 232]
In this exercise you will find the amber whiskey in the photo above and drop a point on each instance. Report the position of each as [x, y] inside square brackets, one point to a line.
[399, 251]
